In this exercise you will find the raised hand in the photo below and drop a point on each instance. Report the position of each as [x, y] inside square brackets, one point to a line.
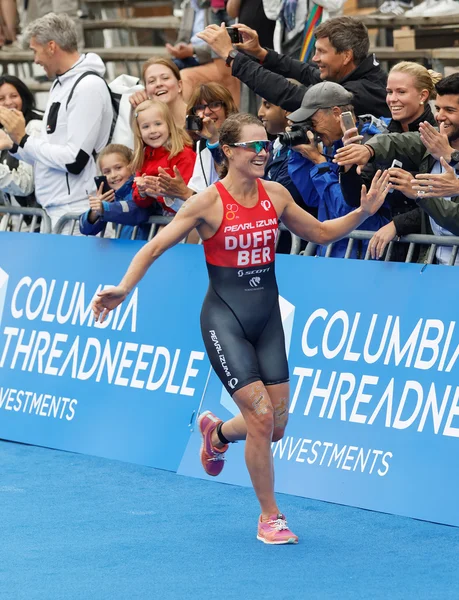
[218, 39]
[437, 186]
[107, 300]
[350, 136]
[251, 42]
[6, 143]
[371, 201]
[353, 154]
[311, 150]
[209, 130]
[13, 122]
[173, 186]
[180, 50]
[436, 142]
[401, 180]
[96, 205]
[141, 185]
[137, 98]
[152, 185]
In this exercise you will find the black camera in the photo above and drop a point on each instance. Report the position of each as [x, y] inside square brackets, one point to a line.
[298, 134]
[193, 123]
[235, 35]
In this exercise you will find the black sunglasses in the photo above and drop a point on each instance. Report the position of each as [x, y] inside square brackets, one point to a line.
[200, 108]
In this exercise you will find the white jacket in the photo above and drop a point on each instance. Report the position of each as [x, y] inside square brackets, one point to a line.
[204, 173]
[63, 155]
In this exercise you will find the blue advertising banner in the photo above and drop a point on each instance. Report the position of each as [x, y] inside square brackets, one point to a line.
[125, 389]
[373, 352]
[374, 414]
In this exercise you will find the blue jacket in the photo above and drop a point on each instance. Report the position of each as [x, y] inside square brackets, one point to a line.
[319, 186]
[277, 170]
[122, 210]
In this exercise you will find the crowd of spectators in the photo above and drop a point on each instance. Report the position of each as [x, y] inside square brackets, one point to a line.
[332, 121]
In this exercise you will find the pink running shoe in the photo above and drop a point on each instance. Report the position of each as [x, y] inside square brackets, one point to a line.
[212, 458]
[275, 531]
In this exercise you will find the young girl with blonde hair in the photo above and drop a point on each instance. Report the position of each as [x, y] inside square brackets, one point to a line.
[159, 143]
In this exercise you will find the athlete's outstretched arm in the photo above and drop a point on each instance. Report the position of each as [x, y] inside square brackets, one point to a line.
[307, 227]
[188, 217]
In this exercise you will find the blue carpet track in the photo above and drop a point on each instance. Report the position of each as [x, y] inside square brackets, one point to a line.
[76, 527]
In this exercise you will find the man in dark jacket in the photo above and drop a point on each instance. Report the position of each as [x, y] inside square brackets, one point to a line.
[342, 46]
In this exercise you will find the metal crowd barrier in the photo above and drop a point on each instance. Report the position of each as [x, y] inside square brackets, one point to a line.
[13, 218]
[70, 221]
[413, 240]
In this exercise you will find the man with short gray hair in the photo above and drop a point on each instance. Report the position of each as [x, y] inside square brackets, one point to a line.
[77, 120]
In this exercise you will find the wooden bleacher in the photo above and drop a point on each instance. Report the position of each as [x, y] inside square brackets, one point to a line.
[132, 56]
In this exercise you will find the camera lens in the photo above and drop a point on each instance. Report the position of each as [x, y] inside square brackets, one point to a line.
[296, 136]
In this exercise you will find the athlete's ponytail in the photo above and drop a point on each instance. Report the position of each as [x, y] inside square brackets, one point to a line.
[230, 133]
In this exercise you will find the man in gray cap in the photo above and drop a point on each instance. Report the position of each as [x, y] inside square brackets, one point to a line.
[310, 166]
[322, 95]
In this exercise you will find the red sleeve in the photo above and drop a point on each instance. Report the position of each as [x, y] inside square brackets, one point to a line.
[184, 161]
[139, 200]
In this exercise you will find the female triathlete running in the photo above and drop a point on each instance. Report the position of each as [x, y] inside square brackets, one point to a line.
[240, 320]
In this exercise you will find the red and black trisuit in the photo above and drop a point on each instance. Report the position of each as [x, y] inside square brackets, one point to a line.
[240, 319]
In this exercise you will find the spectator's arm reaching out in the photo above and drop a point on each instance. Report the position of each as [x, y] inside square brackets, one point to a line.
[308, 228]
[84, 115]
[275, 88]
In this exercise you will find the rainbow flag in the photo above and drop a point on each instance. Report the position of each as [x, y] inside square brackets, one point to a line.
[314, 19]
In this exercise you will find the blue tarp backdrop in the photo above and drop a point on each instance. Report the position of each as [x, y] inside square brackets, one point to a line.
[373, 352]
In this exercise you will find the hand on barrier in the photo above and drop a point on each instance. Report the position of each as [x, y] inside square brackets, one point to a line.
[173, 186]
[13, 122]
[6, 143]
[371, 201]
[437, 186]
[353, 154]
[436, 142]
[137, 98]
[401, 180]
[380, 240]
[107, 300]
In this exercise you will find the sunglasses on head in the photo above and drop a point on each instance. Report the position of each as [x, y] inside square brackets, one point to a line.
[256, 145]
[200, 108]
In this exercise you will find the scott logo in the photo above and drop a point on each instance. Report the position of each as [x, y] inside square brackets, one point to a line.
[255, 281]
[266, 204]
[233, 383]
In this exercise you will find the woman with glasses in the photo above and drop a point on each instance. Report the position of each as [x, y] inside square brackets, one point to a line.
[212, 104]
[237, 219]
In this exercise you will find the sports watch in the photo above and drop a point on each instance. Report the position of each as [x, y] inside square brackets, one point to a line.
[454, 160]
[231, 56]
